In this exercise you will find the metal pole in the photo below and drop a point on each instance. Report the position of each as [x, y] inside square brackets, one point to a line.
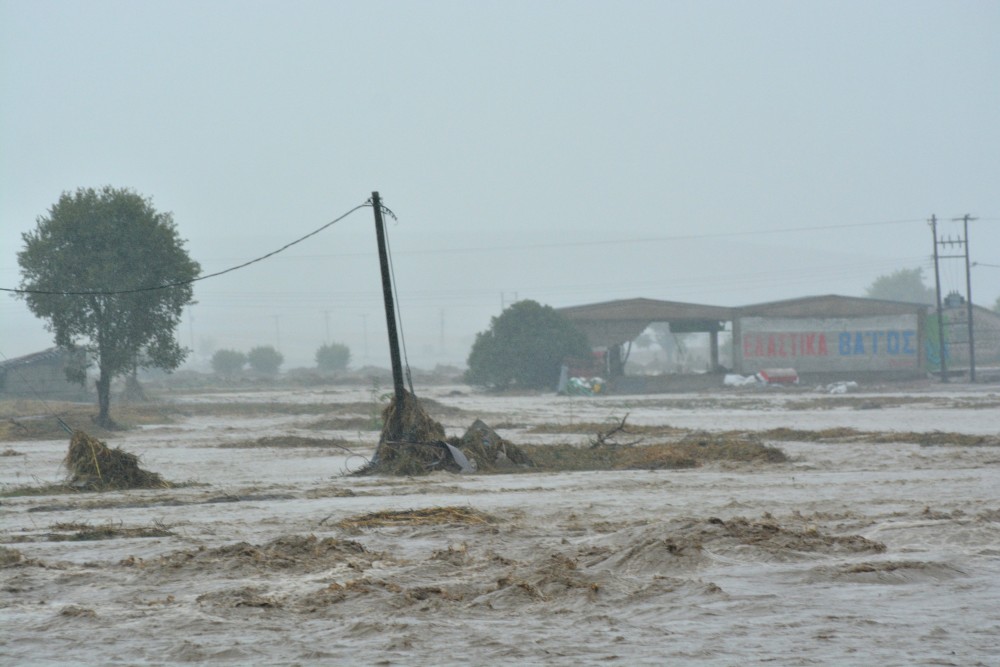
[364, 331]
[940, 315]
[390, 315]
[968, 301]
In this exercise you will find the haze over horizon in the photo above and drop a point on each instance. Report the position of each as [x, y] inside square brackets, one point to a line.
[710, 152]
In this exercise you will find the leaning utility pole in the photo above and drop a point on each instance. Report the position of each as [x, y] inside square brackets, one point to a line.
[940, 314]
[395, 428]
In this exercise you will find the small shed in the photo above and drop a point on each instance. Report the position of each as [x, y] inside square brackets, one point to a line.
[40, 375]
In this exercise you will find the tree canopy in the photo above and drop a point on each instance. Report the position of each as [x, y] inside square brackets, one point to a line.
[228, 362]
[902, 285]
[333, 357]
[100, 244]
[524, 346]
[265, 359]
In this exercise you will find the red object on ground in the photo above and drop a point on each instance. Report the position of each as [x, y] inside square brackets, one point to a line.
[779, 375]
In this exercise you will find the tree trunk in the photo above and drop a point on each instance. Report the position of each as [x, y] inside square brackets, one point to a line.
[133, 388]
[104, 400]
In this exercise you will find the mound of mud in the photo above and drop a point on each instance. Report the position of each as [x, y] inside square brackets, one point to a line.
[420, 447]
[746, 447]
[247, 596]
[81, 532]
[847, 434]
[694, 450]
[93, 466]
[290, 552]
[885, 572]
[687, 545]
[409, 441]
[432, 516]
[489, 451]
[414, 424]
[553, 577]
[285, 441]
[12, 558]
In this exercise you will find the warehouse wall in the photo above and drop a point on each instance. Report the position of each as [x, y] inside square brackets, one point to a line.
[829, 344]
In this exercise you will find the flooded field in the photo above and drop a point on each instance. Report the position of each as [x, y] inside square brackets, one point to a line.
[876, 540]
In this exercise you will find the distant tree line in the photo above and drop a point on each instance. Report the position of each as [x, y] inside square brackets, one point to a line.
[266, 360]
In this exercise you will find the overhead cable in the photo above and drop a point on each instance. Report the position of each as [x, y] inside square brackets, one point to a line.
[181, 283]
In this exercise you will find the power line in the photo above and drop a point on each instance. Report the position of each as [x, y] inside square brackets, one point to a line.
[678, 237]
[181, 283]
[628, 241]
[414, 297]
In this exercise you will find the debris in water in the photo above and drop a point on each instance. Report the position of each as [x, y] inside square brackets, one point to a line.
[93, 466]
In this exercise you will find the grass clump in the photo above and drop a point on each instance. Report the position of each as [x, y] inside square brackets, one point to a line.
[94, 466]
[431, 516]
[693, 450]
[82, 532]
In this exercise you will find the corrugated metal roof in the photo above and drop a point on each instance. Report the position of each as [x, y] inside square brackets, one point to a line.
[34, 357]
[650, 310]
[830, 305]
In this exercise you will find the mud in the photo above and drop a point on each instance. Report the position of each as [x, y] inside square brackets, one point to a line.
[874, 537]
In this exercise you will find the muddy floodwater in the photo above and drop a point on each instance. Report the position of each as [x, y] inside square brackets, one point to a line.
[860, 549]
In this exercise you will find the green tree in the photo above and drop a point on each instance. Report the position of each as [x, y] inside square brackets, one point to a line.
[524, 346]
[265, 359]
[228, 362]
[903, 285]
[996, 306]
[333, 357]
[99, 244]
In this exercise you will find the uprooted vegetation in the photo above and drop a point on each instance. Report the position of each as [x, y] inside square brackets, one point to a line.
[286, 442]
[693, 450]
[635, 559]
[94, 466]
[423, 448]
[289, 552]
[431, 516]
[83, 532]
[843, 434]
[38, 420]
[35, 420]
[412, 443]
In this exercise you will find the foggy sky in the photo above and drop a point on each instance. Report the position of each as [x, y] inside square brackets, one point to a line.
[568, 152]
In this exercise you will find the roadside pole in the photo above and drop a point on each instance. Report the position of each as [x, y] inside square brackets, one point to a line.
[395, 428]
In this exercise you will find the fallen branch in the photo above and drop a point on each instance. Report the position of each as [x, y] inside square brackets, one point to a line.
[604, 438]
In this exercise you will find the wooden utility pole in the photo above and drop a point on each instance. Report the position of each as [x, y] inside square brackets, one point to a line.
[395, 428]
[937, 291]
[968, 297]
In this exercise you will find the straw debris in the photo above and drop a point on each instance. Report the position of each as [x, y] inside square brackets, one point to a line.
[409, 444]
[94, 466]
[414, 424]
[489, 451]
[12, 557]
[431, 516]
[82, 532]
[693, 450]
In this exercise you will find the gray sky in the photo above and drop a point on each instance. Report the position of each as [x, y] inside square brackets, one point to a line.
[567, 152]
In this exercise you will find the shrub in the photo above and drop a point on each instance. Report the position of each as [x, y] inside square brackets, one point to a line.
[265, 359]
[228, 362]
[524, 346]
[333, 357]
